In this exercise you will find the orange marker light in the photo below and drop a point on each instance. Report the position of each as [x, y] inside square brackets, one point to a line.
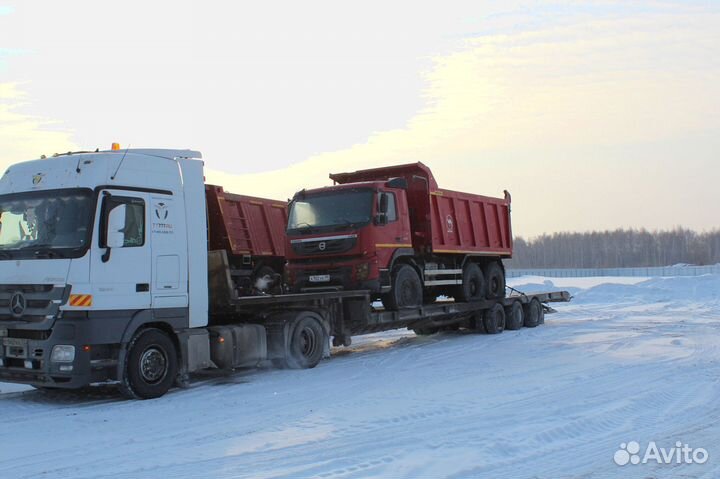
[115, 146]
[86, 348]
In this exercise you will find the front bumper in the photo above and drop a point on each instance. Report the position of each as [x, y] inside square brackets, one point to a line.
[339, 276]
[26, 354]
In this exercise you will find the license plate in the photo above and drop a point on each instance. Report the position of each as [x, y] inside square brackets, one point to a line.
[17, 342]
[319, 278]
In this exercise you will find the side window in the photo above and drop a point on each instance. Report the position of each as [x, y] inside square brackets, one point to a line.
[392, 210]
[125, 216]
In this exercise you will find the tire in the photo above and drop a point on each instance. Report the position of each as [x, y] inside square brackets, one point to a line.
[150, 367]
[307, 343]
[407, 289]
[474, 286]
[534, 313]
[494, 319]
[495, 279]
[514, 316]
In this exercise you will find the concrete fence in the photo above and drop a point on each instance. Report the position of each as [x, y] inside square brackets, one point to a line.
[586, 272]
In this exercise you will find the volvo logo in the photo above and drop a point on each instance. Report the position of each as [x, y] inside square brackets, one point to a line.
[322, 245]
[17, 304]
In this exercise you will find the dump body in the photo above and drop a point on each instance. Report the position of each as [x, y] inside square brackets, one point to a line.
[245, 225]
[444, 221]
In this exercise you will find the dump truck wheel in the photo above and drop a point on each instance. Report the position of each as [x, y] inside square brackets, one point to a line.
[495, 278]
[150, 365]
[514, 316]
[307, 344]
[494, 319]
[473, 286]
[534, 314]
[407, 290]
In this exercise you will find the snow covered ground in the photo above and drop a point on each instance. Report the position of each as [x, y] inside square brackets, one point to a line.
[627, 360]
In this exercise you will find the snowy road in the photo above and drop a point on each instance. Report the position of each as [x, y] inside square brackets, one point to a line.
[630, 361]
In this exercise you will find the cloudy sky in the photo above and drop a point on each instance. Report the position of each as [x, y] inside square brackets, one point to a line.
[594, 115]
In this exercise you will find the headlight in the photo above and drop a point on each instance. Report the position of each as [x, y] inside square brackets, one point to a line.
[62, 354]
[362, 271]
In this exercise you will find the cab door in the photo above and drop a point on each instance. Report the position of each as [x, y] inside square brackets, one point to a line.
[169, 285]
[393, 231]
[121, 267]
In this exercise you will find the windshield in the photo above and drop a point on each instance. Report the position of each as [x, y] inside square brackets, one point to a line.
[44, 223]
[328, 210]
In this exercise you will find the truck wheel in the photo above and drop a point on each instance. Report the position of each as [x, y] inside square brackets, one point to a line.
[150, 365]
[473, 284]
[494, 319]
[534, 313]
[407, 290]
[307, 344]
[514, 316]
[495, 278]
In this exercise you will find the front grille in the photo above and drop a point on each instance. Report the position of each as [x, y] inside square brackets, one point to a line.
[40, 301]
[39, 335]
[326, 246]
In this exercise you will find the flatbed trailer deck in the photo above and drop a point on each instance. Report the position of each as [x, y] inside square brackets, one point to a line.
[351, 313]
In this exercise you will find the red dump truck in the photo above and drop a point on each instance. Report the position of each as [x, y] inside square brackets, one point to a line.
[394, 232]
[252, 232]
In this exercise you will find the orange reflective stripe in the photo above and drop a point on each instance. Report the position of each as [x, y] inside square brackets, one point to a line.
[81, 300]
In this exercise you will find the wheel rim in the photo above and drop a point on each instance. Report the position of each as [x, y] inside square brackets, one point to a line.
[153, 365]
[473, 287]
[308, 342]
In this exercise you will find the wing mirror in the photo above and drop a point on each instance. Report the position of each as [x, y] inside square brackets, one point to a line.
[116, 227]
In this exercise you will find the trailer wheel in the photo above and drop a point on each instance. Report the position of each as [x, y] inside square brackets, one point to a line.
[514, 316]
[473, 286]
[534, 313]
[150, 365]
[495, 278]
[494, 319]
[407, 290]
[307, 343]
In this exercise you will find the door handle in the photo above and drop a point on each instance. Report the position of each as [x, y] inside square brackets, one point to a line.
[142, 288]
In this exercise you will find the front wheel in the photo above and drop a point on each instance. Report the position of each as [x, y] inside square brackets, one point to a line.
[407, 289]
[150, 365]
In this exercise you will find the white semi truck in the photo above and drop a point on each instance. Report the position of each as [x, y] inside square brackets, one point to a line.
[106, 276]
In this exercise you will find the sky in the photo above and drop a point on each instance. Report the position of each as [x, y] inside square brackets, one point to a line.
[594, 115]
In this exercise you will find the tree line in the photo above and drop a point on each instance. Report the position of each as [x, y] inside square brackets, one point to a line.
[617, 249]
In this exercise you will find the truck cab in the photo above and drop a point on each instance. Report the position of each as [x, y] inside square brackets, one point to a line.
[94, 247]
[342, 237]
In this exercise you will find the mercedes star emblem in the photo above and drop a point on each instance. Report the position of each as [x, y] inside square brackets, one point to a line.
[17, 304]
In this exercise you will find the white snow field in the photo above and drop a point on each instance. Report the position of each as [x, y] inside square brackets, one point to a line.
[627, 360]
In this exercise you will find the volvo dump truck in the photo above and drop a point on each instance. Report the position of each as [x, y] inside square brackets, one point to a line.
[123, 267]
[393, 231]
